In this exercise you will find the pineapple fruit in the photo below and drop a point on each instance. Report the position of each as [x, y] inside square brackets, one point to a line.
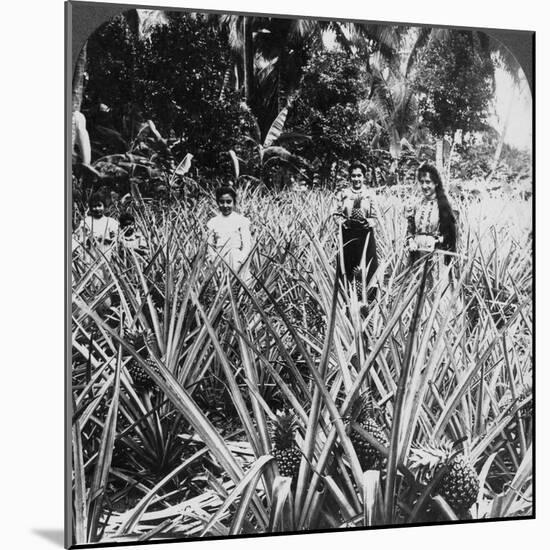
[356, 214]
[459, 485]
[140, 341]
[285, 450]
[369, 456]
[142, 381]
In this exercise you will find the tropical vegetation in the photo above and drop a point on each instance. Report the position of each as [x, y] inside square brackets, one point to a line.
[207, 406]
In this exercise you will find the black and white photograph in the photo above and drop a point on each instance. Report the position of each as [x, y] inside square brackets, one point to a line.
[300, 274]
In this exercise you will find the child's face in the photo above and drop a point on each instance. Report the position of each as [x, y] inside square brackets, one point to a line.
[97, 209]
[226, 204]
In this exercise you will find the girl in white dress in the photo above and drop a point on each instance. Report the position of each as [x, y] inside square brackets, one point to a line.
[229, 234]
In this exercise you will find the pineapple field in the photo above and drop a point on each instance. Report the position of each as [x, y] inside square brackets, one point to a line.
[207, 406]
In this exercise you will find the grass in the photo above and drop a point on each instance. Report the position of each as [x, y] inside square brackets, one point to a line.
[441, 361]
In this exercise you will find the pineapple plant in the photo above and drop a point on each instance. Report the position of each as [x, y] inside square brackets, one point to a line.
[459, 484]
[358, 279]
[524, 393]
[314, 315]
[525, 396]
[285, 450]
[369, 456]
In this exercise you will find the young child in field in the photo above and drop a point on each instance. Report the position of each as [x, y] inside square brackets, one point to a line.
[97, 232]
[229, 233]
[130, 237]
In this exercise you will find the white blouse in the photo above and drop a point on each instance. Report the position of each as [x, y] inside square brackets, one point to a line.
[101, 233]
[230, 237]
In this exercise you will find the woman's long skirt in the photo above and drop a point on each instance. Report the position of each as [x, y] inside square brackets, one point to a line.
[358, 240]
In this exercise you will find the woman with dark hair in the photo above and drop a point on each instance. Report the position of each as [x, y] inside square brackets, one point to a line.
[229, 233]
[431, 223]
[358, 256]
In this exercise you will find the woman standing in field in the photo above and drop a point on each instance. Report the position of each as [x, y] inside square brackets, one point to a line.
[229, 233]
[358, 254]
[431, 223]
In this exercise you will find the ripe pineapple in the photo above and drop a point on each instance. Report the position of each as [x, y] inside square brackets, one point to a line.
[142, 381]
[286, 452]
[356, 211]
[369, 456]
[459, 484]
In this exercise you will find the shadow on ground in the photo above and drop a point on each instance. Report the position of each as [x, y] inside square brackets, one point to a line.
[53, 535]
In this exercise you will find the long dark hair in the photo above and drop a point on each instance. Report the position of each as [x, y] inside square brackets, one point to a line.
[447, 222]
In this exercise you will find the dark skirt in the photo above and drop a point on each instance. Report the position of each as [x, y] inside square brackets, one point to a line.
[354, 238]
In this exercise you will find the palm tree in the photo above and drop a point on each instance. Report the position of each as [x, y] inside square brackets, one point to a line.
[393, 106]
[240, 30]
[248, 59]
[274, 51]
[285, 45]
[282, 50]
[78, 78]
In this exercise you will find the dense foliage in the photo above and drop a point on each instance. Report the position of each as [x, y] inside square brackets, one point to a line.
[179, 373]
[346, 101]
[455, 84]
[175, 78]
[328, 110]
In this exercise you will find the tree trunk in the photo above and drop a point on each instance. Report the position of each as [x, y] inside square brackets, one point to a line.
[78, 78]
[449, 160]
[439, 155]
[225, 83]
[238, 77]
[248, 57]
[395, 144]
[281, 87]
